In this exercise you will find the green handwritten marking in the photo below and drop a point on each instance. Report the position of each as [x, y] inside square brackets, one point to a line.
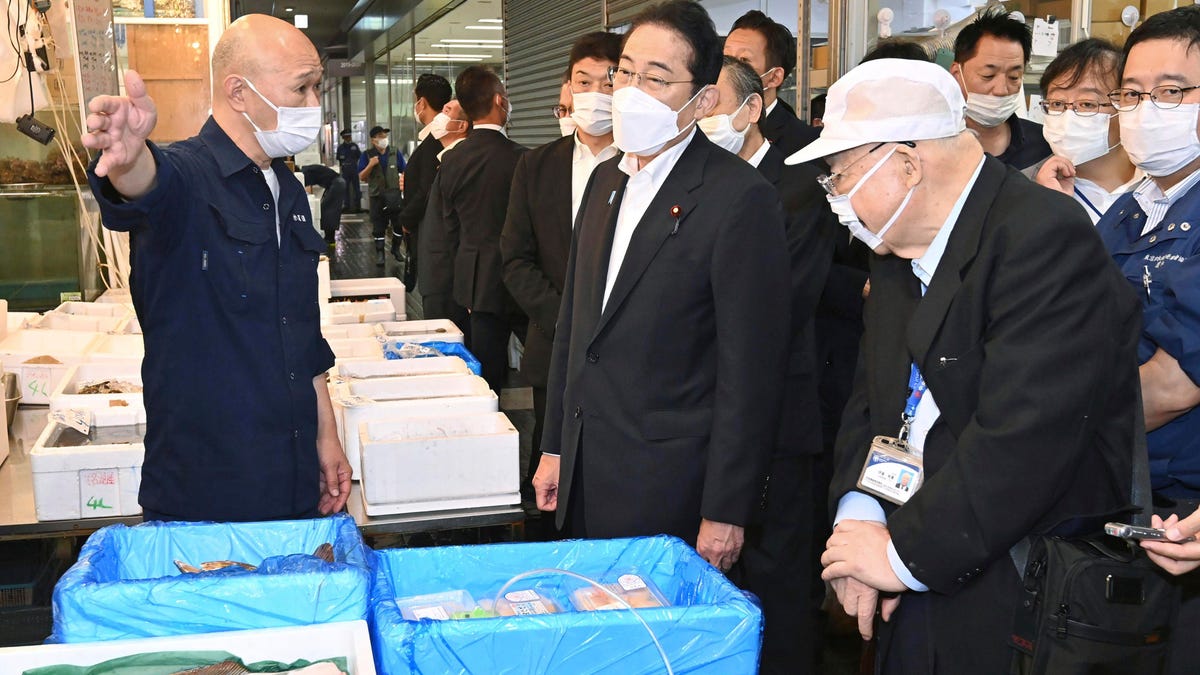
[94, 503]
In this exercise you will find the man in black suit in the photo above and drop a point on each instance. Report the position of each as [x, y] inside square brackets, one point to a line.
[780, 562]
[768, 47]
[472, 198]
[432, 93]
[1004, 360]
[664, 386]
[547, 190]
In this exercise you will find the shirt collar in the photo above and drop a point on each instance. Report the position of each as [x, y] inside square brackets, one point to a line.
[450, 147]
[660, 166]
[582, 151]
[758, 155]
[926, 266]
[230, 158]
[493, 127]
[771, 108]
[1148, 193]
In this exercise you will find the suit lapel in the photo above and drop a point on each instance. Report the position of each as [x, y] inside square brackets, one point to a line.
[895, 293]
[595, 242]
[960, 251]
[656, 225]
[560, 182]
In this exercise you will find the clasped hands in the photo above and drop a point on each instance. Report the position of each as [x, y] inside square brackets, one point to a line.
[856, 565]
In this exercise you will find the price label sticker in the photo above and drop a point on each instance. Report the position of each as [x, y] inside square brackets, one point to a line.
[36, 382]
[631, 582]
[79, 420]
[351, 400]
[1045, 38]
[99, 493]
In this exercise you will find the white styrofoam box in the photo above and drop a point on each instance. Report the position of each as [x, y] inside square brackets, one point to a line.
[431, 365]
[133, 326]
[427, 330]
[3, 318]
[66, 395]
[93, 309]
[323, 291]
[314, 205]
[351, 330]
[82, 322]
[348, 639]
[396, 397]
[361, 311]
[371, 288]
[120, 296]
[119, 347]
[38, 380]
[422, 464]
[356, 348]
[88, 481]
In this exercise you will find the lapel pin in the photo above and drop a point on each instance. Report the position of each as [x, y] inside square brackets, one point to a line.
[675, 212]
[611, 197]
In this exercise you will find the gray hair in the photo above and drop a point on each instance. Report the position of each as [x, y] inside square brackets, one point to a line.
[742, 78]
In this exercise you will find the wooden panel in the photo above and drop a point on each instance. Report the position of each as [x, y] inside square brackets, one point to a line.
[173, 60]
[1115, 31]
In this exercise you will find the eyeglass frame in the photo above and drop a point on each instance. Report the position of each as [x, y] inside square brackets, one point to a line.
[1071, 105]
[828, 181]
[658, 84]
[1116, 93]
[560, 111]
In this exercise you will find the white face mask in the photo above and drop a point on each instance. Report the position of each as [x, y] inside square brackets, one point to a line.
[844, 210]
[719, 129]
[566, 126]
[1077, 139]
[295, 128]
[642, 124]
[437, 127]
[381, 143]
[593, 113]
[988, 110]
[1161, 142]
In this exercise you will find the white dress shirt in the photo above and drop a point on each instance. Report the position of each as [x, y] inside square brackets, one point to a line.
[450, 147]
[643, 185]
[583, 162]
[771, 108]
[1096, 200]
[1155, 202]
[758, 155]
[493, 127]
[273, 184]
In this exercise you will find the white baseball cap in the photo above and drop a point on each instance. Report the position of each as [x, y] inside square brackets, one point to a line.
[887, 100]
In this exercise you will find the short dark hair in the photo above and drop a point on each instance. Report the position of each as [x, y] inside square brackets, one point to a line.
[1093, 55]
[995, 22]
[695, 26]
[1181, 24]
[781, 45]
[743, 78]
[475, 87]
[600, 45]
[435, 89]
[816, 108]
[896, 49]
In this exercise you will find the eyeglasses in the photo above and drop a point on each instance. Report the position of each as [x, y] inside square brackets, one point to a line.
[829, 181]
[1082, 108]
[560, 111]
[1166, 97]
[621, 77]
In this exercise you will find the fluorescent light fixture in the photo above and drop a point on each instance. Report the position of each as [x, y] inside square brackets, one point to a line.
[484, 27]
[288, 9]
[479, 41]
[441, 46]
[491, 21]
[447, 59]
[453, 56]
[301, 21]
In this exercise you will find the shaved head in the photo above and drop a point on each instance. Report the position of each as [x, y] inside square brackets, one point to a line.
[257, 44]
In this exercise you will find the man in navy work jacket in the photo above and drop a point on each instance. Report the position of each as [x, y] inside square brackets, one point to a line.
[238, 420]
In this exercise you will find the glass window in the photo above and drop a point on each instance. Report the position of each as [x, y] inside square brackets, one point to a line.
[403, 124]
[382, 101]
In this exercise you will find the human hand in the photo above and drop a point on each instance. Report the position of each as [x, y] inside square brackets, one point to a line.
[1057, 173]
[401, 182]
[866, 292]
[374, 161]
[545, 483]
[120, 125]
[720, 543]
[858, 549]
[1172, 557]
[859, 600]
[335, 475]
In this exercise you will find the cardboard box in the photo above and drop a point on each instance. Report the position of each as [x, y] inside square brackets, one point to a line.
[820, 58]
[420, 464]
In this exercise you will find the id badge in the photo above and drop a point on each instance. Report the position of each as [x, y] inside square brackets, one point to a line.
[891, 472]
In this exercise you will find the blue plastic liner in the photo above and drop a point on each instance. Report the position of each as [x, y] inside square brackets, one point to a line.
[125, 583]
[446, 348]
[711, 627]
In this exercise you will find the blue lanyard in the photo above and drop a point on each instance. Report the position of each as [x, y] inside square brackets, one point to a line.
[916, 388]
[1087, 202]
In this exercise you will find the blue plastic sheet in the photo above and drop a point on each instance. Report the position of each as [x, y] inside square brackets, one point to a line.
[711, 627]
[446, 348]
[125, 583]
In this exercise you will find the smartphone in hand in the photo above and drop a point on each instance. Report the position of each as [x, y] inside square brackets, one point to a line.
[1135, 533]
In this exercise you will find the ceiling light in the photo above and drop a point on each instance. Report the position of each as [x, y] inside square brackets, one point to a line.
[484, 27]
[491, 21]
[301, 21]
[442, 56]
[461, 46]
[479, 41]
[288, 9]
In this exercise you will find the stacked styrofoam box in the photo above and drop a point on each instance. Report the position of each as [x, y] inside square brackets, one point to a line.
[87, 316]
[119, 347]
[66, 395]
[38, 380]
[351, 330]
[88, 481]
[347, 639]
[361, 311]
[371, 288]
[428, 330]
[356, 349]
[384, 398]
[418, 464]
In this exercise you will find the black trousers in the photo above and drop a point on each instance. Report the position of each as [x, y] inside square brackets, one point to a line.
[489, 344]
[331, 208]
[353, 197]
[410, 267]
[383, 219]
[1183, 658]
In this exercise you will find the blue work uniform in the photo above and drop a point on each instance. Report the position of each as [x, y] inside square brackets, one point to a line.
[1164, 269]
[232, 333]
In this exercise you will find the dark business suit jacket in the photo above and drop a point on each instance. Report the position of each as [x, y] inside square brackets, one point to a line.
[472, 199]
[536, 243]
[786, 131]
[664, 404]
[1026, 338]
[839, 329]
[419, 173]
[811, 232]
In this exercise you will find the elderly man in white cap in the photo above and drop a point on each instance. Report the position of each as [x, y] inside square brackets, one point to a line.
[996, 386]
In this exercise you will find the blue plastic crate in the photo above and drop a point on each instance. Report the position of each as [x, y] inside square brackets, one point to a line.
[125, 583]
[711, 627]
